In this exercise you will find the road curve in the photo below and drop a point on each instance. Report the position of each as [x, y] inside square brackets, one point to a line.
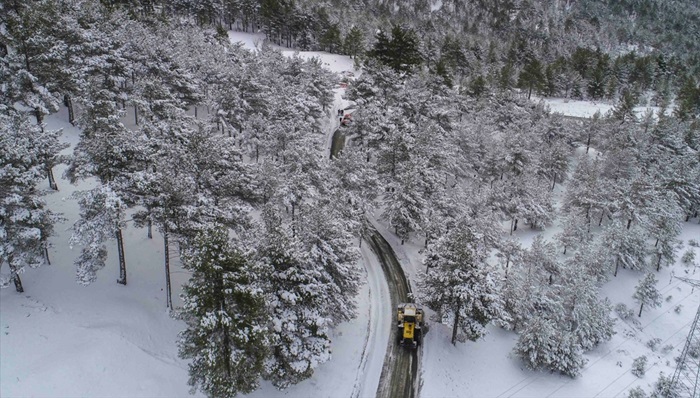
[400, 376]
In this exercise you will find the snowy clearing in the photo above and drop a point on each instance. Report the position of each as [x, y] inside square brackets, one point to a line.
[586, 109]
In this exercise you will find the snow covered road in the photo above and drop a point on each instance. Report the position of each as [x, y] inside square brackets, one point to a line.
[400, 376]
[378, 328]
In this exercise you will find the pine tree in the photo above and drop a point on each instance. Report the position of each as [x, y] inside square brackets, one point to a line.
[327, 238]
[585, 315]
[542, 344]
[688, 99]
[224, 309]
[297, 291]
[626, 247]
[509, 251]
[646, 293]
[26, 31]
[568, 319]
[531, 77]
[401, 52]
[574, 231]
[102, 217]
[354, 43]
[458, 284]
[542, 256]
[25, 223]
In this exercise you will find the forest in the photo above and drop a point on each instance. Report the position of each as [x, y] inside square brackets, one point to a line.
[446, 147]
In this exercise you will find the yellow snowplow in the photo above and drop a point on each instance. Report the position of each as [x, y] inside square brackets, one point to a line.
[409, 327]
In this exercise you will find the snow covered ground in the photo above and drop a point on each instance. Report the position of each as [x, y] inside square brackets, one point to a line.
[586, 109]
[63, 340]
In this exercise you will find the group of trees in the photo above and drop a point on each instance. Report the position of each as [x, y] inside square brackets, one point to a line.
[226, 156]
[453, 167]
[588, 49]
[28, 151]
[220, 149]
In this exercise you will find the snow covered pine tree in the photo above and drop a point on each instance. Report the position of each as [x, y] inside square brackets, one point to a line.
[458, 284]
[226, 335]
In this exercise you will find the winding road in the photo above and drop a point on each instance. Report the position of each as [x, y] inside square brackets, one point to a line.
[400, 376]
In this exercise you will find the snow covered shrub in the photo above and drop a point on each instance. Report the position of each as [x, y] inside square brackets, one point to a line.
[693, 243]
[623, 312]
[637, 392]
[653, 343]
[688, 257]
[694, 349]
[669, 298]
[639, 366]
[677, 309]
[663, 388]
[667, 348]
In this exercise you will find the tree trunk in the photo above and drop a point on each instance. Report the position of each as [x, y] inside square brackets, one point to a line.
[617, 265]
[629, 223]
[15, 278]
[39, 118]
[554, 182]
[136, 115]
[52, 180]
[588, 219]
[564, 249]
[455, 327]
[640, 309]
[150, 229]
[68, 102]
[511, 226]
[515, 227]
[168, 290]
[658, 263]
[122, 260]
[226, 349]
[46, 254]
[71, 110]
[588, 143]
